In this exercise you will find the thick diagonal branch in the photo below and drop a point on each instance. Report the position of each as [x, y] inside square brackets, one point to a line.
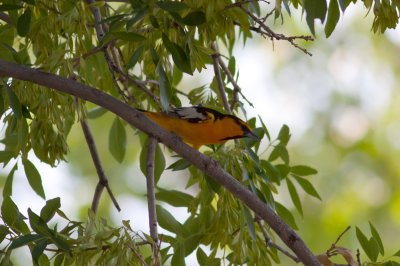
[135, 118]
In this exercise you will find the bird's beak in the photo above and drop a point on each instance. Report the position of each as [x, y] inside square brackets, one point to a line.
[251, 135]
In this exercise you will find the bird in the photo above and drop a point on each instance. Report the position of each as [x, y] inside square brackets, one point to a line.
[198, 125]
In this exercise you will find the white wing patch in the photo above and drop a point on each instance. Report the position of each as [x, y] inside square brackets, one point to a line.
[190, 113]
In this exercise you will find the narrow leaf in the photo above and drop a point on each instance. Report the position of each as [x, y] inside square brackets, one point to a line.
[96, 112]
[24, 240]
[362, 239]
[294, 196]
[3, 232]
[179, 165]
[308, 187]
[179, 56]
[34, 178]
[117, 140]
[303, 170]
[14, 102]
[50, 209]
[284, 135]
[24, 23]
[315, 9]
[194, 18]
[286, 215]
[333, 17]
[135, 57]
[7, 190]
[377, 238]
[167, 221]
[165, 87]
[249, 222]
[174, 197]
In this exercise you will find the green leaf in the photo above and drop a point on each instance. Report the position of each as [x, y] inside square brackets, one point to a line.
[7, 7]
[279, 151]
[58, 261]
[128, 36]
[179, 56]
[307, 187]
[14, 102]
[284, 135]
[294, 196]
[117, 140]
[397, 254]
[96, 112]
[201, 257]
[366, 245]
[303, 170]
[286, 215]
[34, 178]
[3, 232]
[24, 23]
[23, 133]
[7, 190]
[12, 217]
[50, 209]
[159, 161]
[6, 156]
[38, 250]
[172, 6]
[174, 197]
[315, 9]
[271, 171]
[167, 221]
[249, 222]
[38, 225]
[178, 258]
[333, 17]
[24, 240]
[377, 238]
[179, 165]
[135, 57]
[165, 88]
[194, 18]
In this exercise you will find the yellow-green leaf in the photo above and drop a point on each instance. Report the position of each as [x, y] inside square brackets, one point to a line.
[117, 140]
[34, 178]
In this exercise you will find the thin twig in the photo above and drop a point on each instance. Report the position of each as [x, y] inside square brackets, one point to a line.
[103, 180]
[270, 243]
[264, 30]
[113, 65]
[142, 85]
[236, 88]
[151, 198]
[218, 76]
[340, 236]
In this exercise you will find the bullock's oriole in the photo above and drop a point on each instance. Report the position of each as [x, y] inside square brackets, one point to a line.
[198, 125]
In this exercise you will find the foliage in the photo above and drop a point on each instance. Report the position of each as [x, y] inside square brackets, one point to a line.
[153, 44]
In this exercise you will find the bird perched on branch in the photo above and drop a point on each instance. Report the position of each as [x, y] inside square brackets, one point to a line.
[198, 125]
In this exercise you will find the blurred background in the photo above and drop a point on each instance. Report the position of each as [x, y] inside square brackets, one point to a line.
[342, 107]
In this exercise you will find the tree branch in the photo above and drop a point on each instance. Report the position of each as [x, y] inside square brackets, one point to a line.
[218, 76]
[135, 118]
[103, 180]
[236, 88]
[268, 241]
[264, 30]
[151, 198]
